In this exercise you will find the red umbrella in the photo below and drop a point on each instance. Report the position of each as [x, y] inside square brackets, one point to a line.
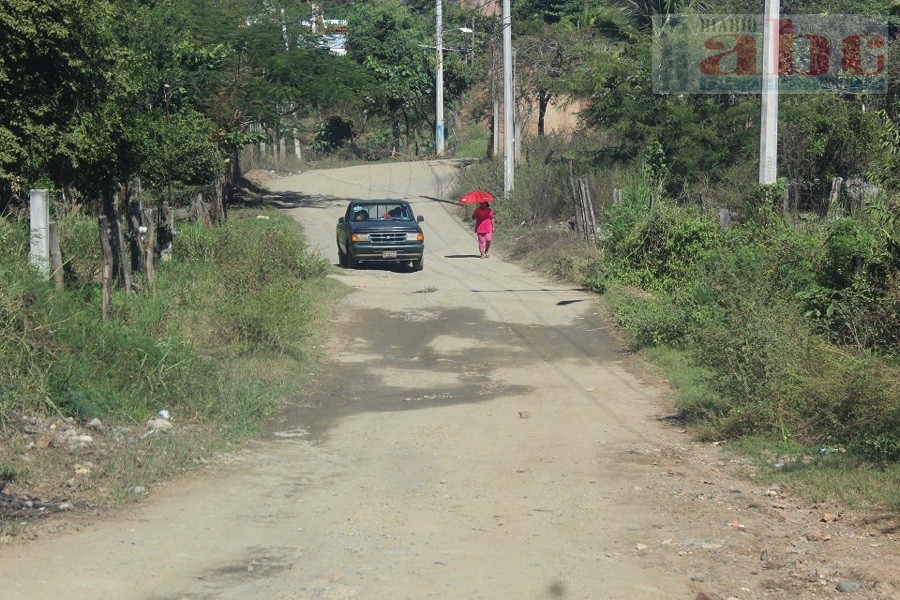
[476, 197]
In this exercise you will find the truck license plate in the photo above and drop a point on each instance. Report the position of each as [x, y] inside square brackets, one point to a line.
[389, 254]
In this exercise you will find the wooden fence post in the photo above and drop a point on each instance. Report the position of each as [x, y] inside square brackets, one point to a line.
[200, 210]
[116, 238]
[148, 240]
[575, 203]
[590, 221]
[56, 263]
[835, 193]
[164, 233]
[124, 272]
[585, 221]
[106, 270]
[134, 210]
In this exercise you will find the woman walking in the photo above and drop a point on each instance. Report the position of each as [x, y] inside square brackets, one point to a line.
[484, 228]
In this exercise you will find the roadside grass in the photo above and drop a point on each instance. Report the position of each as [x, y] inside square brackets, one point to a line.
[819, 473]
[233, 327]
[824, 474]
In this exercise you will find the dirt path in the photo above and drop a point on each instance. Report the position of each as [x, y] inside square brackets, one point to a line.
[474, 433]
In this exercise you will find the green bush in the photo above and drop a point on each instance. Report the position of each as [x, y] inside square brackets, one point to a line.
[331, 134]
[739, 303]
[648, 320]
[594, 275]
[846, 241]
[660, 247]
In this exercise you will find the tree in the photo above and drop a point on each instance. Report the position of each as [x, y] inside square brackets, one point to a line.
[396, 48]
[389, 43]
[57, 75]
[546, 62]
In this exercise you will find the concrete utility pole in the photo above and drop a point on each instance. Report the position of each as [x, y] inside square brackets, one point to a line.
[39, 256]
[439, 82]
[768, 131]
[509, 126]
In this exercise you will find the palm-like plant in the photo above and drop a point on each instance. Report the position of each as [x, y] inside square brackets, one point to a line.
[627, 20]
[642, 12]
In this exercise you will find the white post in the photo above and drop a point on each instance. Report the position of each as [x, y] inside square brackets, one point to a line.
[439, 83]
[39, 256]
[508, 100]
[768, 131]
[517, 122]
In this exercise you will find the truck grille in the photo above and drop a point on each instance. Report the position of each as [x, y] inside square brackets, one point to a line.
[387, 238]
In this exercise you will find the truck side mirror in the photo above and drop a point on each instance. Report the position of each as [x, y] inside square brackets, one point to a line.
[340, 219]
[420, 218]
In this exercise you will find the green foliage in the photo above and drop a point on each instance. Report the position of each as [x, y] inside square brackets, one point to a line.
[697, 401]
[164, 91]
[885, 167]
[847, 240]
[649, 320]
[661, 246]
[57, 68]
[738, 303]
[387, 39]
[180, 147]
[823, 137]
[155, 351]
[882, 448]
[709, 139]
[331, 134]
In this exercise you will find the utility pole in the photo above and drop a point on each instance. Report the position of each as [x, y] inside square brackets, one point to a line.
[439, 82]
[495, 104]
[509, 126]
[768, 131]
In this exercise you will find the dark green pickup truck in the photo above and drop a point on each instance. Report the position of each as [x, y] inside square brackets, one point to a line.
[385, 231]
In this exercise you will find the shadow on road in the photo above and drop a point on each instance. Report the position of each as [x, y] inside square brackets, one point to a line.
[397, 361]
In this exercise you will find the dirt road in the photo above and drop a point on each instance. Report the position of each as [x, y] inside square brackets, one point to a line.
[475, 432]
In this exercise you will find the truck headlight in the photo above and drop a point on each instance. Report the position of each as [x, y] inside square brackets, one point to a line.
[359, 237]
[415, 237]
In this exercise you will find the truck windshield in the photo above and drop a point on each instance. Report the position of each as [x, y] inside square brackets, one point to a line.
[381, 211]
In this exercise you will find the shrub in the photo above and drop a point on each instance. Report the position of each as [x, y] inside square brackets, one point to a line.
[656, 249]
[648, 320]
[847, 241]
[331, 134]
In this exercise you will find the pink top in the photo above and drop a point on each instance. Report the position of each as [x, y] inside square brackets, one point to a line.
[484, 220]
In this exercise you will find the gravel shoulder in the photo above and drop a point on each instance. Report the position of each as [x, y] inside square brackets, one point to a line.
[475, 431]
